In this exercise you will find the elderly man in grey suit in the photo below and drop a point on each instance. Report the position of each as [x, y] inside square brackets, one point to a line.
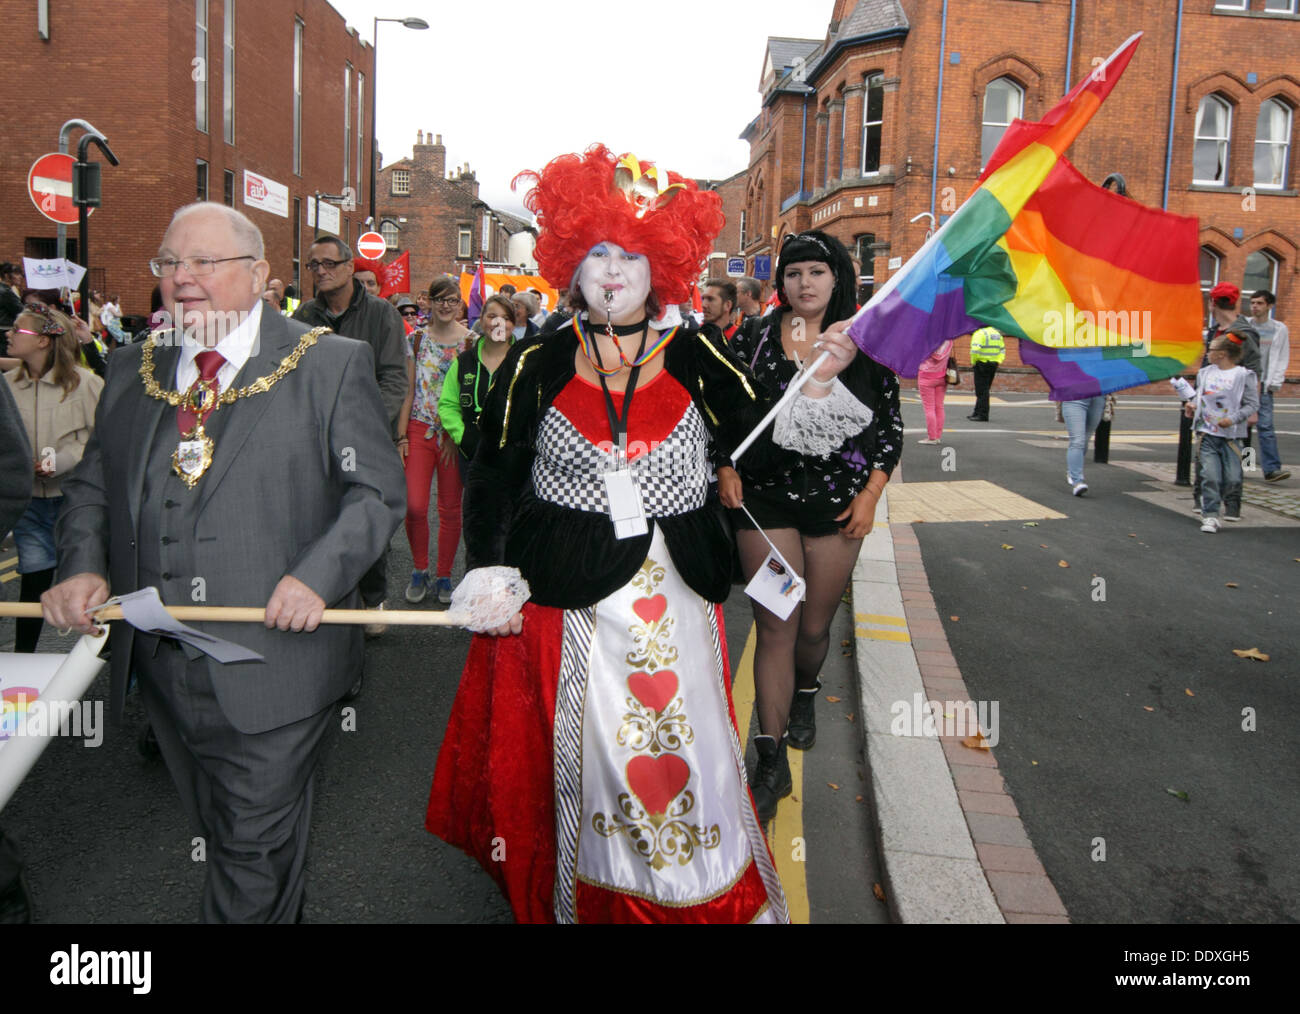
[248, 463]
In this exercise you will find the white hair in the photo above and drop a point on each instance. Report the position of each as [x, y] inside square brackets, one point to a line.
[246, 233]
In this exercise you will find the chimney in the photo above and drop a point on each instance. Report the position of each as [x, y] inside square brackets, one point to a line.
[419, 137]
[430, 154]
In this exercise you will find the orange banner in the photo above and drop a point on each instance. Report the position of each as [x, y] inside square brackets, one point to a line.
[492, 284]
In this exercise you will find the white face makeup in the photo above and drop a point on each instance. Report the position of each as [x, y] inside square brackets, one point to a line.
[626, 276]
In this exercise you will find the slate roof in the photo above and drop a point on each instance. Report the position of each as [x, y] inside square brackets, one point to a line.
[873, 16]
[785, 51]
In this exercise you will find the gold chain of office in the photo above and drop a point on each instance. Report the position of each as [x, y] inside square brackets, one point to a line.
[230, 395]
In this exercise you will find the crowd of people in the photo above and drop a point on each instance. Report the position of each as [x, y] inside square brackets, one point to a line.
[585, 449]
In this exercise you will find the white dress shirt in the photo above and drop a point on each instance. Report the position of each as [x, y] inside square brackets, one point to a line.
[237, 347]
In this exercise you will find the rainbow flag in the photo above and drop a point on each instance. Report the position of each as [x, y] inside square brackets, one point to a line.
[1103, 292]
[14, 702]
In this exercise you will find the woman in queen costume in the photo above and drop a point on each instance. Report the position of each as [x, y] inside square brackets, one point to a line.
[591, 763]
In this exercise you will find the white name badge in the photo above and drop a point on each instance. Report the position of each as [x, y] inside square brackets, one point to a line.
[625, 508]
[776, 587]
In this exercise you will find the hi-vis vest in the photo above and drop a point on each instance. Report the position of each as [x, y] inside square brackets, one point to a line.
[987, 346]
[290, 305]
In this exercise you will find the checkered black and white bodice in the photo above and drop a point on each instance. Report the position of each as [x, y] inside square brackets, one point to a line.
[667, 448]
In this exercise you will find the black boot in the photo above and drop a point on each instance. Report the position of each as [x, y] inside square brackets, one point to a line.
[772, 781]
[801, 730]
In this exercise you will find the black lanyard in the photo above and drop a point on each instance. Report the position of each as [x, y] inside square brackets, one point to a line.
[617, 426]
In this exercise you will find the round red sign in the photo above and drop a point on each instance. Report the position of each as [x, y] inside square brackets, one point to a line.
[50, 185]
[371, 246]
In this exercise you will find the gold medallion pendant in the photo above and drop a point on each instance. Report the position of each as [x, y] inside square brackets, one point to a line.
[192, 456]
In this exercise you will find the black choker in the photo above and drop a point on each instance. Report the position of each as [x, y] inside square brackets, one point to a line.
[622, 330]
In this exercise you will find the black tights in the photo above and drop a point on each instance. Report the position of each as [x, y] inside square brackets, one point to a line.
[30, 589]
[790, 653]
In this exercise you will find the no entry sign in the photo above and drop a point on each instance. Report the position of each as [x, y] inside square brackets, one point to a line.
[50, 185]
[371, 246]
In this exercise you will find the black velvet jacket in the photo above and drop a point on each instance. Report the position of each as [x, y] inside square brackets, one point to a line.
[571, 558]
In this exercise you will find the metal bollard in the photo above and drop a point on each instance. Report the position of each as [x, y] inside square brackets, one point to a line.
[1182, 475]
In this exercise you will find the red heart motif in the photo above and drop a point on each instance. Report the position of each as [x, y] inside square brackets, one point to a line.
[655, 692]
[650, 610]
[657, 780]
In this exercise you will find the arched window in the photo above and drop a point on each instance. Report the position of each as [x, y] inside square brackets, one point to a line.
[389, 231]
[1004, 101]
[1261, 273]
[1210, 263]
[1213, 128]
[873, 124]
[1272, 141]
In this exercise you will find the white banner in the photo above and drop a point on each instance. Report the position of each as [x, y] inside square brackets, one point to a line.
[260, 192]
[330, 220]
[52, 273]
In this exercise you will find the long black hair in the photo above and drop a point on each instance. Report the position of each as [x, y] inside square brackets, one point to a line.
[815, 245]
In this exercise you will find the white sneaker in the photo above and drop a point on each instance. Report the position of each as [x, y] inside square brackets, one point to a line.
[927, 440]
[1079, 488]
[375, 629]
[1210, 525]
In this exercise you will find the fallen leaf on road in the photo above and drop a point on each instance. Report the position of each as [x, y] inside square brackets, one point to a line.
[833, 786]
[845, 644]
[976, 742]
[1062, 563]
[849, 716]
[832, 700]
[954, 618]
[1145, 708]
[1031, 524]
[857, 799]
[1179, 795]
[1254, 653]
[1132, 535]
[1231, 584]
[1188, 693]
[878, 891]
[1005, 546]
[1042, 545]
[1034, 763]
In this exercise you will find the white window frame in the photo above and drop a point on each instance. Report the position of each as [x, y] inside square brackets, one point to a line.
[1231, 5]
[875, 81]
[1284, 144]
[401, 182]
[298, 30]
[1225, 140]
[347, 125]
[201, 54]
[1290, 7]
[1274, 264]
[1209, 283]
[464, 242]
[389, 230]
[361, 128]
[985, 122]
[201, 166]
[228, 73]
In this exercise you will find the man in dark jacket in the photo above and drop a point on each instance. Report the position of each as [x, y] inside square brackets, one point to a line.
[15, 491]
[343, 305]
[11, 303]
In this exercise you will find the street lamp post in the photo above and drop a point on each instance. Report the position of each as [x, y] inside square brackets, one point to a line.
[419, 24]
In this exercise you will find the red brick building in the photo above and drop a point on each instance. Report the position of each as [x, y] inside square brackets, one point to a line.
[1203, 123]
[728, 242]
[437, 215]
[192, 96]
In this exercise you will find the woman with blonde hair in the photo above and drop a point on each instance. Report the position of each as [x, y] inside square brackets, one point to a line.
[56, 399]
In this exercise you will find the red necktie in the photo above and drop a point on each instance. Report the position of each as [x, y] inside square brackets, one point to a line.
[209, 364]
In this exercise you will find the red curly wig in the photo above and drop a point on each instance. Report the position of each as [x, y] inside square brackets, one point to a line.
[578, 205]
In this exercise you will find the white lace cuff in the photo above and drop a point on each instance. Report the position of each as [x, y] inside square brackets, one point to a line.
[488, 597]
[818, 426]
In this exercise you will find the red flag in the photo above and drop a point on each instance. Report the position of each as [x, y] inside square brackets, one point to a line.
[477, 295]
[696, 304]
[396, 277]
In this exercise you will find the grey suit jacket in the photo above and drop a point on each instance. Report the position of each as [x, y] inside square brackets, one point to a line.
[304, 481]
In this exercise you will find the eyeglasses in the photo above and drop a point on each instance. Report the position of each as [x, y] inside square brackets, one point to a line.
[447, 301]
[37, 334]
[410, 313]
[165, 267]
[323, 265]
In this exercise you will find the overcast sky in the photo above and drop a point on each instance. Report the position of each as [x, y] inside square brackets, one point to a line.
[509, 84]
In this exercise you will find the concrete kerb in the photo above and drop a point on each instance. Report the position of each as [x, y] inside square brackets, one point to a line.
[927, 846]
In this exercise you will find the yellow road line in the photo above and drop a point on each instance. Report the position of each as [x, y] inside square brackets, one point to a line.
[11, 562]
[8, 577]
[883, 635]
[787, 828]
[892, 621]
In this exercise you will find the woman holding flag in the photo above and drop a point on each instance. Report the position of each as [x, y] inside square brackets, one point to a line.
[591, 763]
[817, 511]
